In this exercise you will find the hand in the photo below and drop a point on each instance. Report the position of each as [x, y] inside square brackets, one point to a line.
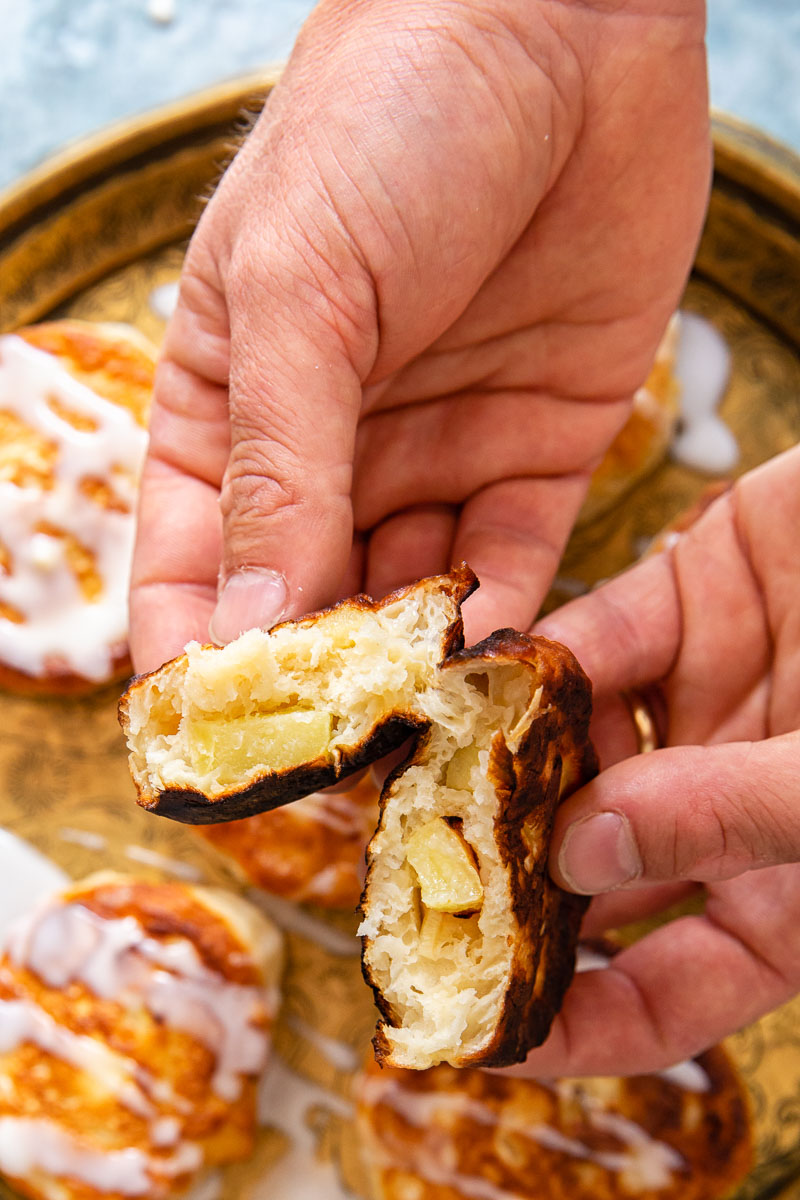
[714, 627]
[414, 312]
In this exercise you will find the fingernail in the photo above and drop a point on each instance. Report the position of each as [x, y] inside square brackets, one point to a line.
[254, 598]
[599, 853]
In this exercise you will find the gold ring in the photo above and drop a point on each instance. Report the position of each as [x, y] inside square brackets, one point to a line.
[644, 722]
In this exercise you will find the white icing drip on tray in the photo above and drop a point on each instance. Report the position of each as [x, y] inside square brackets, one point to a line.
[286, 1101]
[163, 299]
[171, 866]
[116, 960]
[295, 920]
[83, 837]
[338, 1054]
[26, 878]
[702, 366]
[59, 624]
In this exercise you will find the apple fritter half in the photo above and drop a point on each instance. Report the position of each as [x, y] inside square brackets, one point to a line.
[225, 732]
[468, 944]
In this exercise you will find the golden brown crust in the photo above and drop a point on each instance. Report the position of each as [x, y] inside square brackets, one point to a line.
[274, 788]
[445, 1134]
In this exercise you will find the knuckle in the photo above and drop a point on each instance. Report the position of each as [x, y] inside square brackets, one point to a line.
[258, 483]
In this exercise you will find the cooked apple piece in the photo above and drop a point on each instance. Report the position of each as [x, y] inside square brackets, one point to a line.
[445, 868]
[276, 740]
[459, 769]
[440, 931]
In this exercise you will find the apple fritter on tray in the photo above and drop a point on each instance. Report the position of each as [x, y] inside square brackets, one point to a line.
[460, 1135]
[468, 944]
[74, 400]
[135, 1020]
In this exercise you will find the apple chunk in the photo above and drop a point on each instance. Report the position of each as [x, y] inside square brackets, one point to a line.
[445, 867]
[277, 741]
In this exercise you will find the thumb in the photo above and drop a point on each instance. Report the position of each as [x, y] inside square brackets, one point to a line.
[294, 400]
[689, 812]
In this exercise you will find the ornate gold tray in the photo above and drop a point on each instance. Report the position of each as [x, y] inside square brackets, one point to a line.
[91, 234]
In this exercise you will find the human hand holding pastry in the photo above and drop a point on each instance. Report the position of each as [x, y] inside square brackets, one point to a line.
[711, 629]
[415, 310]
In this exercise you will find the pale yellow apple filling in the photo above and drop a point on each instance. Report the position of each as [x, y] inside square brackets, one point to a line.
[445, 868]
[276, 741]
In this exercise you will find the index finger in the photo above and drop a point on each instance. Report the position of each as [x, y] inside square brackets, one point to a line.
[179, 537]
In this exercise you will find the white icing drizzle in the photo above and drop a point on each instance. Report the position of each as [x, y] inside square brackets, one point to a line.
[28, 1145]
[171, 866]
[338, 1054]
[116, 960]
[59, 624]
[295, 920]
[286, 1101]
[22, 1021]
[26, 878]
[163, 300]
[702, 366]
[646, 1163]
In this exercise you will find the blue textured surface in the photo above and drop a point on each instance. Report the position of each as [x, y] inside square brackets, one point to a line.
[67, 67]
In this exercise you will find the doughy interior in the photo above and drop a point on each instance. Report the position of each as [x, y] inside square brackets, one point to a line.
[445, 975]
[220, 718]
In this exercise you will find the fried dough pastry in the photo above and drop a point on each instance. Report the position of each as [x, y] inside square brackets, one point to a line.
[220, 733]
[469, 946]
[135, 1020]
[645, 437]
[456, 1135]
[74, 399]
[310, 851]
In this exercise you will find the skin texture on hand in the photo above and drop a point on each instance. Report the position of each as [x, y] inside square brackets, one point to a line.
[712, 628]
[414, 311]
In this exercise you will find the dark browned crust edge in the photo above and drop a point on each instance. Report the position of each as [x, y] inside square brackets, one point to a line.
[528, 786]
[276, 788]
[281, 787]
